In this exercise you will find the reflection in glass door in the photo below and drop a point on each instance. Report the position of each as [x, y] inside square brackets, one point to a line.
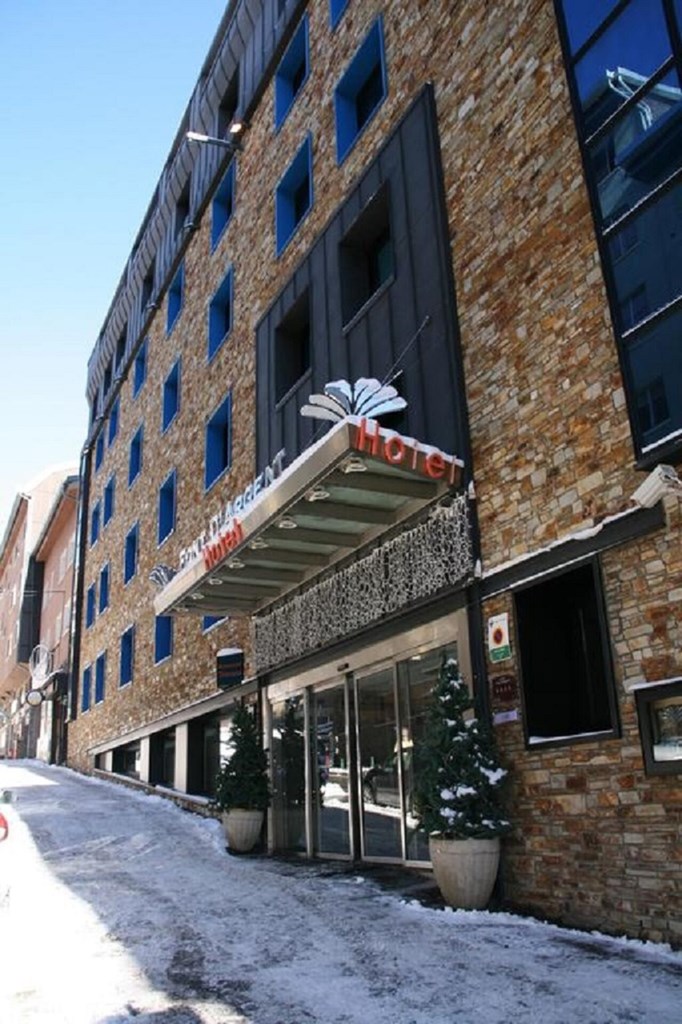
[288, 773]
[379, 766]
[330, 774]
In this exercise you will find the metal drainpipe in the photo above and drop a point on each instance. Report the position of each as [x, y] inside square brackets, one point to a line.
[475, 615]
[77, 589]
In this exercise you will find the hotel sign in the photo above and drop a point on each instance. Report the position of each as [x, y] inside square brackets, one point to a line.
[403, 452]
[224, 530]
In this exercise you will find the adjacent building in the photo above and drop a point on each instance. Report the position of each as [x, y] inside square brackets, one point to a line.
[393, 371]
[36, 575]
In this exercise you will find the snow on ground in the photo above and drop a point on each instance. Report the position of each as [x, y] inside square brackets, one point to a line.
[118, 907]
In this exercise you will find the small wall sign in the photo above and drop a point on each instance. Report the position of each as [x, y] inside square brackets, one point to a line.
[504, 688]
[500, 717]
[499, 648]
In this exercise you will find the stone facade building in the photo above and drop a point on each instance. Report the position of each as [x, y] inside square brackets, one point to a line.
[476, 206]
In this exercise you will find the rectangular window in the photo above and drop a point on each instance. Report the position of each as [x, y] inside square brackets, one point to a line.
[167, 499]
[104, 588]
[99, 451]
[222, 206]
[140, 369]
[294, 195]
[113, 421]
[127, 656]
[336, 9]
[163, 638]
[109, 500]
[147, 294]
[565, 660]
[292, 346]
[100, 670]
[135, 456]
[209, 621]
[90, 605]
[95, 524]
[218, 454]
[659, 709]
[108, 374]
[361, 91]
[632, 154]
[291, 73]
[228, 105]
[220, 315]
[182, 209]
[366, 255]
[121, 348]
[85, 688]
[130, 553]
[175, 297]
[171, 397]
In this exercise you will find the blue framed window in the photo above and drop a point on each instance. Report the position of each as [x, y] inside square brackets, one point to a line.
[99, 451]
[163, 638]
[218, 455]
[86, 687]
[108, 375]
[222, 207]
[220, 315]
[90, 605]
[167, 496]
[130, 553]
[104, 588]
[171, 397]
[294, 195]
[113, 422]
[109, 500]
[95, 523]
[140, 368]
[100, 672]
[336, 9]
[292, 72]
[135, 457]
[361, 91]
[175, 297]
[209, 621]
[127, 656]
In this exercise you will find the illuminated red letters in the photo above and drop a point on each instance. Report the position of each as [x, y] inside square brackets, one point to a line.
[398, 450]
[227, 541]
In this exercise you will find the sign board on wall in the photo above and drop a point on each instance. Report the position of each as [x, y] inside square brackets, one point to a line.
[499, 648]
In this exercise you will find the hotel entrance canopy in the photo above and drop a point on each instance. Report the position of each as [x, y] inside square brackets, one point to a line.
[344, 491]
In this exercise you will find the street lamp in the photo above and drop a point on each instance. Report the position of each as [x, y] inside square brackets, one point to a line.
[232, 144]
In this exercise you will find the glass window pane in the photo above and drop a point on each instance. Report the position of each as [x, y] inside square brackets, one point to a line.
[288, 765]
[646, 258]
[641, 149]
[583, 17]
[621, 60]
[378, 762]
[654, 361]
[666, 729]
[331, 778]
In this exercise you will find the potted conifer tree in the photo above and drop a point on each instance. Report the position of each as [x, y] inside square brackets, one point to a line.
[242, 785]
[458, 794]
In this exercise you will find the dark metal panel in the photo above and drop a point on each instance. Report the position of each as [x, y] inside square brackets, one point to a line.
[31, 602]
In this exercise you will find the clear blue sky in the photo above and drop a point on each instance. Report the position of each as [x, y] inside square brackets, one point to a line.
[92, 93]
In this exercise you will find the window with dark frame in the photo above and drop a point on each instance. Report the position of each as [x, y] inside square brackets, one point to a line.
[366, 255]
[113, 421]
[86, 687]
[175, 298]
[163, 637]
[95, 523]
[565, 657]
[659, 711]
[127, 656]
[90, 605]
[228, 105]
[99, 451]
[222, 206]
[100, 670]
[109, 499]
[182, 209]
[135, 456]
[167, 505]
[130, 553]
[147, 294]
[104, 588]
[292, 346]
[336, 9]
[220, 315]
[625, 72]
[140, 369]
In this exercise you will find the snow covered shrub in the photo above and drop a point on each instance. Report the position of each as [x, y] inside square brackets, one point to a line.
[458, 777]
[243, 779]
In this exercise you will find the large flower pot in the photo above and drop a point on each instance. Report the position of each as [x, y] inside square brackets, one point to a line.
[242, 828]
[465, 869]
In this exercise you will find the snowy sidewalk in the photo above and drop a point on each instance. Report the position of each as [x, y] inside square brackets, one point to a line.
[119, 907]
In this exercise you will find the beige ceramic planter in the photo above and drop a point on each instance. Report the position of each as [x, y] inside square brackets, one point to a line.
[242, 828]
[465, 869]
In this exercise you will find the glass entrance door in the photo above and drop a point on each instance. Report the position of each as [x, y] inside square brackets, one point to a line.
[331, 772]
[379, 766]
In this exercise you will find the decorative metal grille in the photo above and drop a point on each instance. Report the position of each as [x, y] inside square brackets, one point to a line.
[413, 565]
